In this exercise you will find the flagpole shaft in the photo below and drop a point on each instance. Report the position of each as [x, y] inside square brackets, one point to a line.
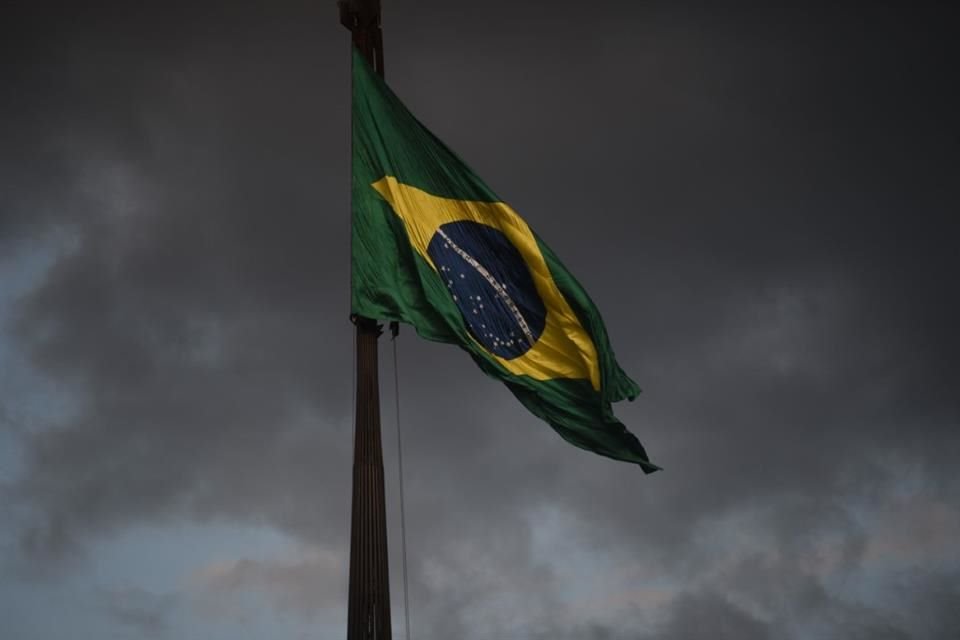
[368, 615]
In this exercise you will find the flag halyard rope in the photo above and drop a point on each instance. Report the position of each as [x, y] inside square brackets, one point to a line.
[395, 331]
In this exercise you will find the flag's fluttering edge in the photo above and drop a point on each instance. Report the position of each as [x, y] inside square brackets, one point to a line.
[435, 248]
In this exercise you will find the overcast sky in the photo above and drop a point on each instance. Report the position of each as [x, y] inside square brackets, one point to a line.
[762, 203]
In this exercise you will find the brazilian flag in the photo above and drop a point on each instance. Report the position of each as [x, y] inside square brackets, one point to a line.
[435, 248]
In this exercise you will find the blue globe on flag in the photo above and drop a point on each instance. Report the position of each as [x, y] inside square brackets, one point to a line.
[491, 285]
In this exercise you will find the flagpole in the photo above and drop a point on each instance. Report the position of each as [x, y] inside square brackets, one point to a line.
[368, 608]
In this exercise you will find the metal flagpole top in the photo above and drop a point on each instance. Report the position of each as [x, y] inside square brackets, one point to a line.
[359, 14]
[362, 18]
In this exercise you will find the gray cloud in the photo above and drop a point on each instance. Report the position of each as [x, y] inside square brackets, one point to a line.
[711, 616]
[139, 611]
[307, 583]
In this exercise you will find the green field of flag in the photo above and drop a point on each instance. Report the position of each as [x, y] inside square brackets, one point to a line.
[434, 247]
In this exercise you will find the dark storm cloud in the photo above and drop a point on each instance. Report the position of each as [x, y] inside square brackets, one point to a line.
[172, 231]
[759, 201]
[711, 616]
[137, 610]
[307, 584]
